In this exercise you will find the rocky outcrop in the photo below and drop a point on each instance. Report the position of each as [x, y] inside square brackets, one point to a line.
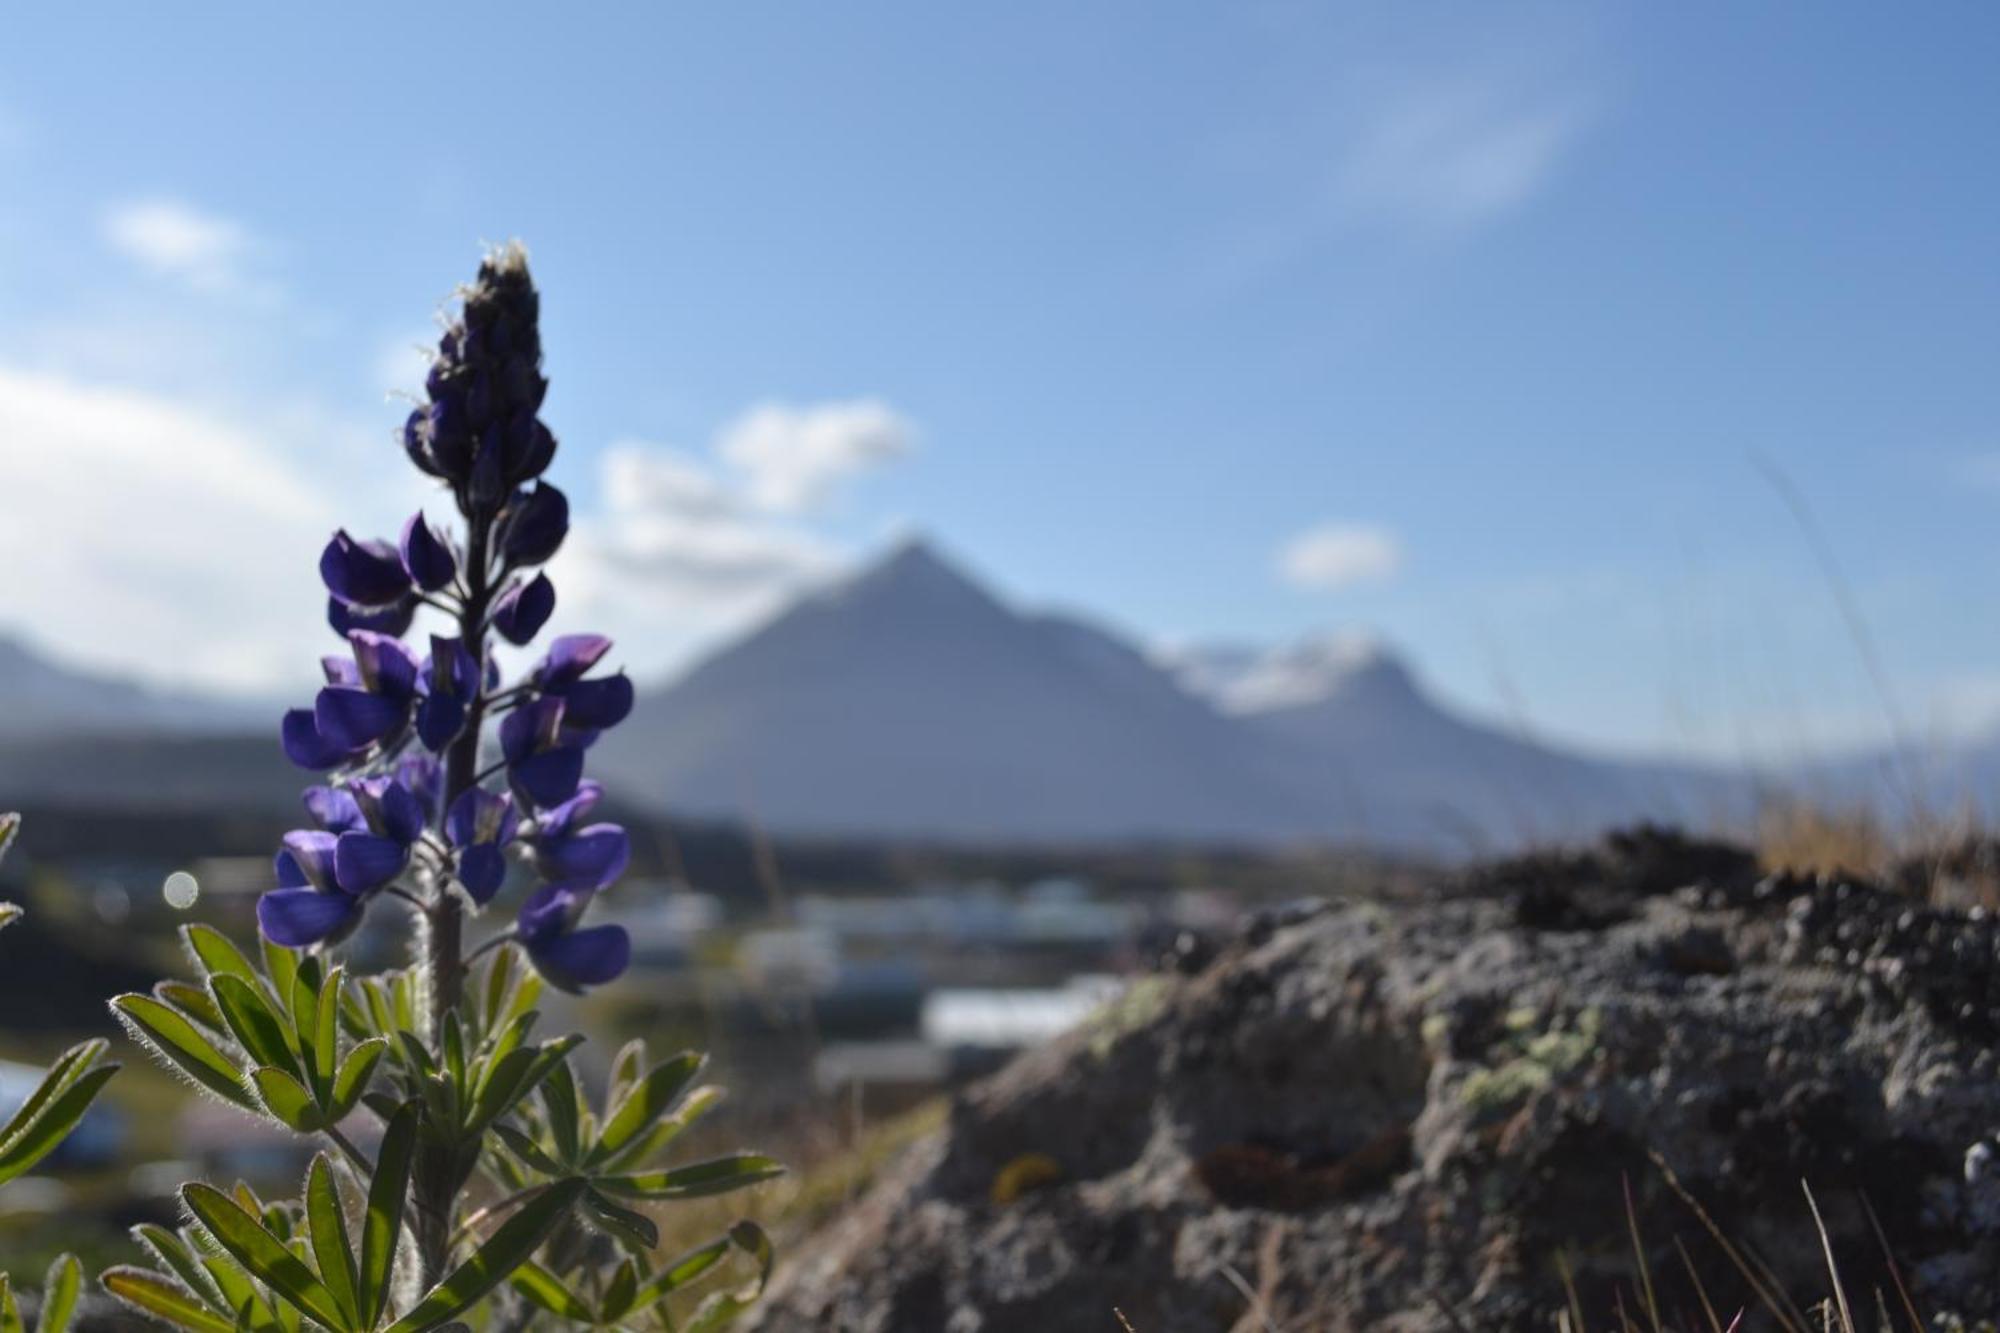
[1406, 1117]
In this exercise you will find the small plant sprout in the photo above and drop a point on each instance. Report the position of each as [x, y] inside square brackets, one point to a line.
[461, 1175]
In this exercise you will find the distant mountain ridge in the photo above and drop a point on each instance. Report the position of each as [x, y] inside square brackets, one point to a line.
[910, 700]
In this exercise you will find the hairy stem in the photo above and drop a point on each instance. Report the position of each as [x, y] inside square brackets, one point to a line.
[440, 1170]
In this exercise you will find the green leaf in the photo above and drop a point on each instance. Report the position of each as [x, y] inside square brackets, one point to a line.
[620, 1292]
[558, 1093]
[327, 1226]
[53, 1109]
[354, 1074]
[10, 1314]
[171, 1037]
[697, 1180]
[149, 1293]
[287, 1100]
[635, 1229]
[542, 1288]
[528, 1150]
[719, 1310]
[216, 955]
[194, 1002]
[647, 1101]
[9, 914]
[680, 1273]
[59, 1293]
[172, 1251]
[257, 1027]
[238, 1292]
[495, 1261]
[383, 1225]
[693, 1107]
[281, 965]
[10, 828]
[324, 1058]
[627, 1068]
[267, 1257]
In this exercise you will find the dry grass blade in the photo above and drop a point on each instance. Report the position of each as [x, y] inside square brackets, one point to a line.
[1575, 1311]
[1700, 1290]
[1791, 1321]
[1639, 1256]
[1833, 1269]
[1895, 1270]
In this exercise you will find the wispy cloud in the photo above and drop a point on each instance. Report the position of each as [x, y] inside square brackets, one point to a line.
[792, 459]
[1460, 149]
[1340, 555]
[690, 545]
[177, 240]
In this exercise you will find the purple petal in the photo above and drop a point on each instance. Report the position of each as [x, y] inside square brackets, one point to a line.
[340, 670]
[583, 958]
[548, 778]
[482, 870]
[297, 918]
[535, 525]
[386, 664]
[549, 911]
[557, 823]
[439, 719]
[424, 777]
[307, 860]
[524, 608]
[364, 862]
[590, 858]
[426, 558]
[597, 704]
[401, 814]
[361, 573]
[569, 657]
[351, 719]
[392, 619]
[305, 746]
[332, 808]
[529, 728]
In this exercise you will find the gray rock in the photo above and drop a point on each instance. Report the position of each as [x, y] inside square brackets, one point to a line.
[1397, 1117]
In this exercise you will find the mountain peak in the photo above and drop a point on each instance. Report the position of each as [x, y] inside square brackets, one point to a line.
[1343, 668]
[914, 569]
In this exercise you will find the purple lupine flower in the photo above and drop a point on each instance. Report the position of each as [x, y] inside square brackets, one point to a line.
[524, 608]
[592, 857]
[446, 686]
[427, 558]
[568, 958]
[363, 573]
[479, 826]
[308, 907]
[369, 700]
[533, 525]
[544, 757]
[391, 620]
[423, 775]
[588, 705]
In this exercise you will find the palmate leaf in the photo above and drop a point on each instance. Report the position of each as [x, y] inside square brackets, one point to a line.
[635, 1229]
[10, 1313]
[494, 1262]
[545, 1290]
[9, 914]
[53, 1108]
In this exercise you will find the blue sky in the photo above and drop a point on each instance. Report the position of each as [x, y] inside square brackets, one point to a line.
[1464, 327]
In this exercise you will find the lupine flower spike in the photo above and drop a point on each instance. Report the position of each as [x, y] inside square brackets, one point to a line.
[403, 809]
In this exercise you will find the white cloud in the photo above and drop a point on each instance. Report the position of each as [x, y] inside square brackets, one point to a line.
[688, 546]
[1462, 149]
[177, 240]
[145, 534]
[792, 459]
[1340, 555]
